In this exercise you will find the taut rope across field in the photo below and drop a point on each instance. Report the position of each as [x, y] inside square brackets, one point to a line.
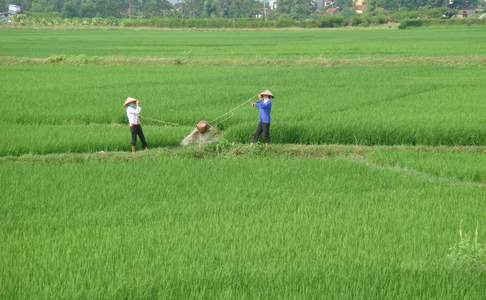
[230, 113]
[218, 120]
[173, 124]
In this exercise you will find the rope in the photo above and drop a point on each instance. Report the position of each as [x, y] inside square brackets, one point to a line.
[162, 122]
[231, 111]
[226, 116]
[226, 119]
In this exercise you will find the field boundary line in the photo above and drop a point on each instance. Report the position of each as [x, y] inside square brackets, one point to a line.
[391, 98]
[384, 27]
[410, 172]
[60, 59]
[242, 150]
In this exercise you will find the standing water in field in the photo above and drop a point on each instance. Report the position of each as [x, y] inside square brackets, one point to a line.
[203, 134]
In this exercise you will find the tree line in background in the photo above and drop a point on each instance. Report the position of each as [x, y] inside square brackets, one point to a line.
[296, 9]
[396, 5]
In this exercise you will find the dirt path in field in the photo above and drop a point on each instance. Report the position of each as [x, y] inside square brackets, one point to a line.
[237, 150]
[300, 61]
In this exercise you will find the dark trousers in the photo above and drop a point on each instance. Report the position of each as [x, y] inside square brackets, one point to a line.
[262, 129]
[137, 130]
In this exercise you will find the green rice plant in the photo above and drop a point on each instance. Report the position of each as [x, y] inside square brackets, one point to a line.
[232, 220]
[397, 104]
[348, 43]
[216, 228]
[402, 105]
[468, 254]
[24, 139]
[454, 165]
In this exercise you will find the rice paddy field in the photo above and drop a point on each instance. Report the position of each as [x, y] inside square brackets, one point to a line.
[376, 169]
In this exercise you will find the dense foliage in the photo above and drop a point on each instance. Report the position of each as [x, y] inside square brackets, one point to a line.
[216, 8]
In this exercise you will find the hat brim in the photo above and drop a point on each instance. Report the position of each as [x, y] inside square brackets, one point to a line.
[128, 102]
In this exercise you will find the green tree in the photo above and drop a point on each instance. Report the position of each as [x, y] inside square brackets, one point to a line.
[239, 8]
[70, 9]
[296, 8]
[249, 8]
[88, 9]
[45, 6]
[152, 8]
[192, 8]
[210, 9]
[344, 3]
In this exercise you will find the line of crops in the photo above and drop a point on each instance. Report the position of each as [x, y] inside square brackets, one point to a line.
[462, 166]
[388, 132]
[461, 41]
[22, 139]
[170, 228]
[427, 105]
[240, 221]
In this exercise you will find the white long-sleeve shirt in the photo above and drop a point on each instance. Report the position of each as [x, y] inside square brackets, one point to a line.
[133, 115]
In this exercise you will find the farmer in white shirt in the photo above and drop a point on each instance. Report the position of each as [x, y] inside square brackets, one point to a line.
[133, 114]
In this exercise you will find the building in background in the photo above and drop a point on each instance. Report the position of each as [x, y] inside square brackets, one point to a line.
[14, 9]
[329, 3]
[359, 6]
[325, 4]
[272, 4]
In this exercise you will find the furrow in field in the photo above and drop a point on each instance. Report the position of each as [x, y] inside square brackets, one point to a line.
[392, 98]
[407, 171]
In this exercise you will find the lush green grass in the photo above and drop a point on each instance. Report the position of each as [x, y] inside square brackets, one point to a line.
[429, 105]
[451, 41]
[237, 221]
[22, 139]
[455, 165]
[400, 103]
[230, 228]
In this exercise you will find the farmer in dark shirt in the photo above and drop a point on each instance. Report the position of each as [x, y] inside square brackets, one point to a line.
[264, 106]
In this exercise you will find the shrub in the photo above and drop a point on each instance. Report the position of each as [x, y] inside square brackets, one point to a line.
[357, 21]
[414, 19]
[56, 59]
[286, 22]
[412, 23]
[332, 21]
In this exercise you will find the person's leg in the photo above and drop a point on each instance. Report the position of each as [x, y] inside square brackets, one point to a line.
[142, 137]
[266, 132]
[133, 142]
[258, 131]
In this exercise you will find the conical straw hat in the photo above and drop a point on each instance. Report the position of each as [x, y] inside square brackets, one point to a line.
[266, 93]
[129, 100]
